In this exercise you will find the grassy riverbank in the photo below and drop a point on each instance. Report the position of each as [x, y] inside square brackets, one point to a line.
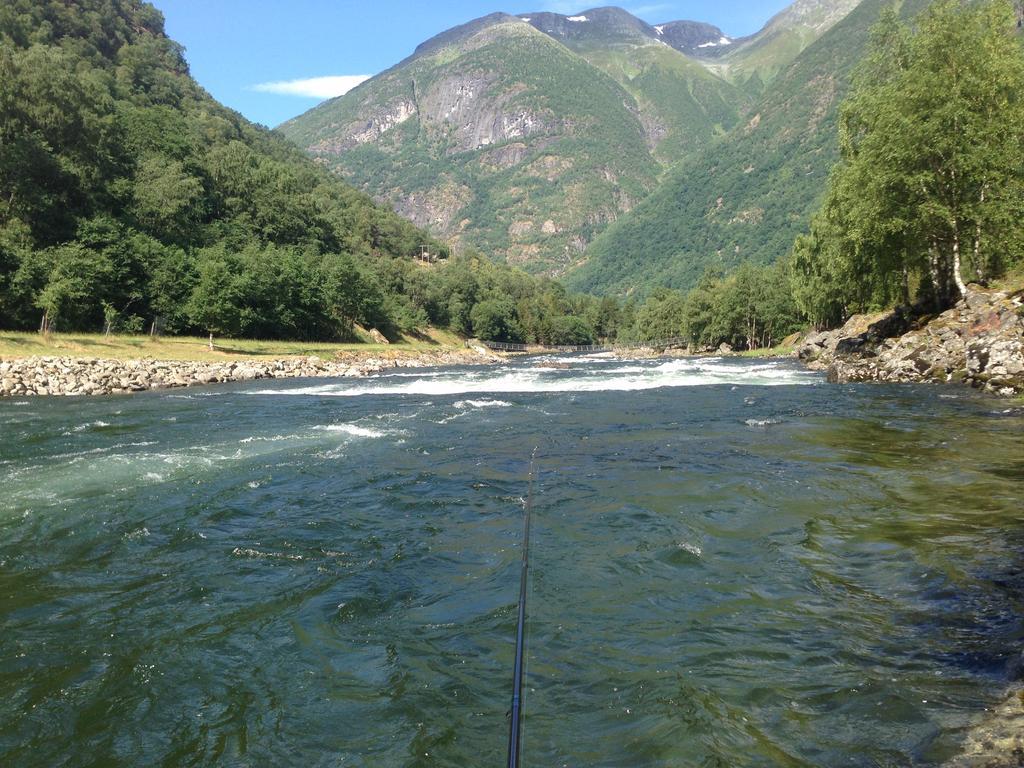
[780, 351]
[17, 345]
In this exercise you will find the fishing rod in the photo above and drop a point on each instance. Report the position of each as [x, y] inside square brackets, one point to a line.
[515, 729]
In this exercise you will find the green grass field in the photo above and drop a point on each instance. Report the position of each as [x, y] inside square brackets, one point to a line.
[780, 351]
[21, 344]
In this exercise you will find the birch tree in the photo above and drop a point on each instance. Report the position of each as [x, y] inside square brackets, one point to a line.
[931, 179]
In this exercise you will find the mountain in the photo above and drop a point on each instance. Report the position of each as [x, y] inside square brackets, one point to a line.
[756, 60]
[693, 38]
[748, 195]
[523, 136]
[528, 136]
[494, 135]
[681, 105]
[596, 26]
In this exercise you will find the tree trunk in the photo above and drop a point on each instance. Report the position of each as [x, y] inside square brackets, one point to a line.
[979, 268]
[211, 342]
[957, 276]
[936, 276]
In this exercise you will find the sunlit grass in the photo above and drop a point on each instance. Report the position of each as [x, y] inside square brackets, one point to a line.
[1012, 281]
[21, 344]
[780, 351]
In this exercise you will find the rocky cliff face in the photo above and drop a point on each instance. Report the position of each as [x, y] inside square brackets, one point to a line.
[527, 136]
[694, 38]
[494, 136]
[979, 342]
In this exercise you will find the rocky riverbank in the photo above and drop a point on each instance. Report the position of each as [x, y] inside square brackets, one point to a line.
[21, 377]
[997, 741]
[980, 342]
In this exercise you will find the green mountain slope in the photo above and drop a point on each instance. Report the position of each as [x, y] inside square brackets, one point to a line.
[748, 195]
[757, 60]
[96, 98]
[682, 106]
[492, 135]
[528, 136]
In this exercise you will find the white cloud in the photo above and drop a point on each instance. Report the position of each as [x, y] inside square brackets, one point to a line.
[313, 87]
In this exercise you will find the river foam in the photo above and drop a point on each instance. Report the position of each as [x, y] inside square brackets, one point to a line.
[615, 377]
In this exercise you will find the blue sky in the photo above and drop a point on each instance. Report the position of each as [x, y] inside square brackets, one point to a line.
[237, 47]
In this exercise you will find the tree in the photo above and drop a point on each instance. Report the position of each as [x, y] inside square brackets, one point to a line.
[167, 199]
[570, 331]
[606, 317]
[662, 316]
[495, 320]
[931, 178]
[172, 278]
[213, 305]
[75, 285]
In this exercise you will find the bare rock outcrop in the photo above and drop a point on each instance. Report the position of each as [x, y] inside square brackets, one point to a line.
[998, 741]
[979, 342]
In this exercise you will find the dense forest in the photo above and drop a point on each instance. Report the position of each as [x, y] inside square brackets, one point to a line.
[128, 197]
[929, 192]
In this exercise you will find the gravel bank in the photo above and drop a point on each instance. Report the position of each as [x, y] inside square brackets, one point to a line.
[22, 377]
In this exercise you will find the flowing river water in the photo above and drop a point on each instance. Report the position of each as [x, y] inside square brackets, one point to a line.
[734, 564]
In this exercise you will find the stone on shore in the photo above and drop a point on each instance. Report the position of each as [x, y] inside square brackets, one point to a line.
[979, 342]
[21, 377]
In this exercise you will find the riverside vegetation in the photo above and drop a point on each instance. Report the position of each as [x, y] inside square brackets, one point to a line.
[130, 199]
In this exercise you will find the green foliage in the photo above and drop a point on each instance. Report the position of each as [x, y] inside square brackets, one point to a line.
[582, 158]
[120, 175]
[495, 320]
[129, 197]
[662, 316]
[747, 196]
[691, 106]
[570, 331]
[351, 294]
[753, 308]
[214, 304]
[930, 188]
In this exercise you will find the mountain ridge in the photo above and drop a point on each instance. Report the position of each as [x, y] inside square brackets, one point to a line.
[758, 186]
[493, 139]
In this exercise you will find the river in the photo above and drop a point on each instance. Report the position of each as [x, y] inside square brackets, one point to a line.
[734, 564]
